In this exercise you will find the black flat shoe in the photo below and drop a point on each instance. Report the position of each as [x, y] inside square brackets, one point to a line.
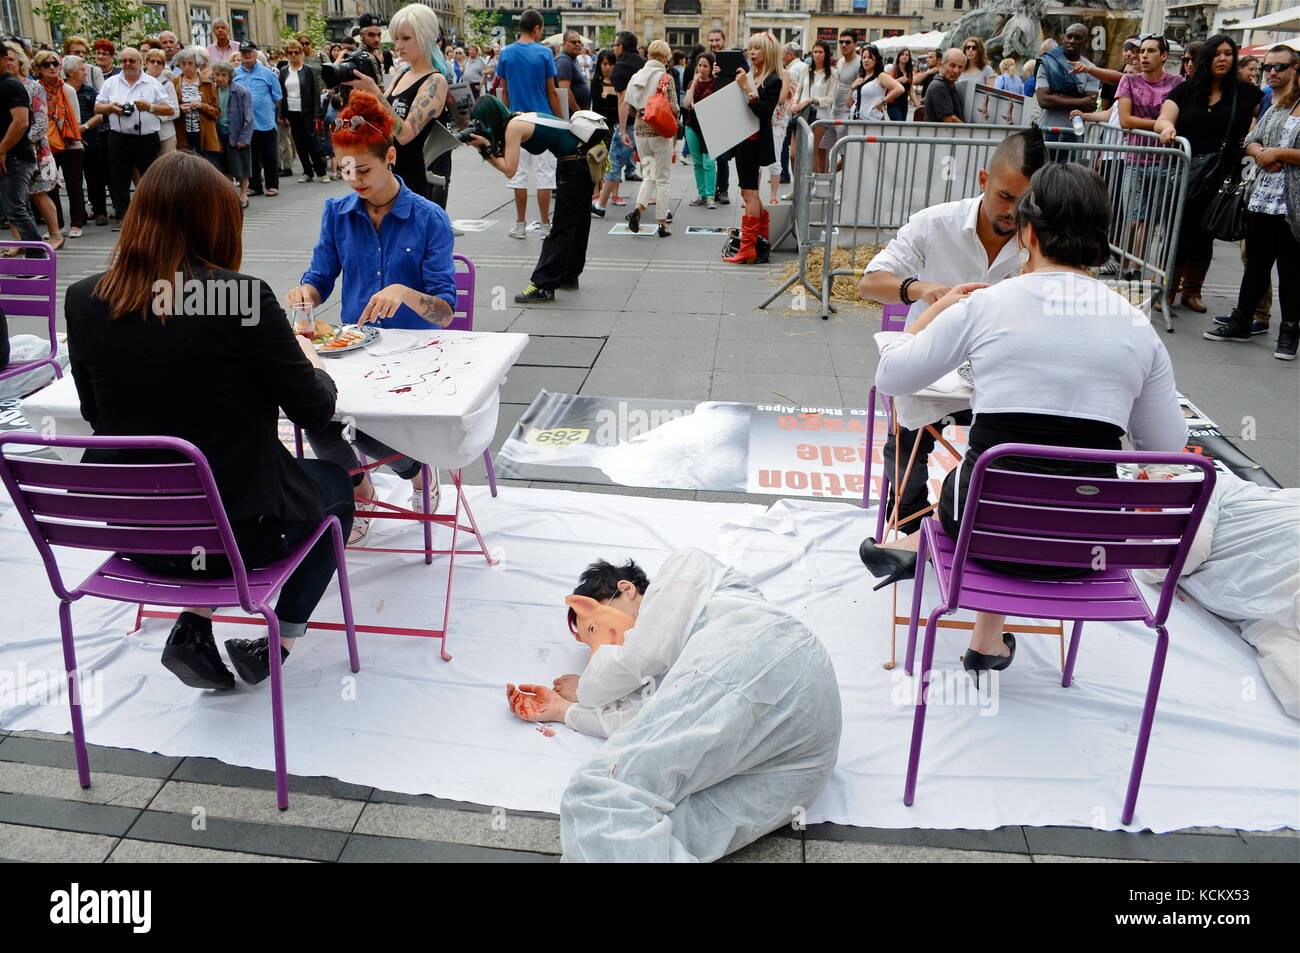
[894, 564]
[252, 658]
[977, 662]
[191, 654]
[634, 220]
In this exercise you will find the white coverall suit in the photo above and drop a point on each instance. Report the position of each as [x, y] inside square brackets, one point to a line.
[723, 718]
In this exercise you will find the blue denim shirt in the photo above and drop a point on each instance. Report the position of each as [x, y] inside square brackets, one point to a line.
[413, 248]
[264, 85]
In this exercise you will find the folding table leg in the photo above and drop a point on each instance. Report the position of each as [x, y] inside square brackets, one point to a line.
[74, 693]
[1144, 730]
[424, 508]
[451, 561]
[277, 710]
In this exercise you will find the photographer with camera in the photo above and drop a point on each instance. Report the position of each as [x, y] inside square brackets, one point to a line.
[394, 251]
[501, 136]
[416, 98]
[132, 100]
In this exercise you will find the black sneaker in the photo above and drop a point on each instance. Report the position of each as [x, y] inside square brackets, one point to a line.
[1287, 336]
[1258, 327]
[722, 198]
[191, 654]
[101, 220]
[533, 294]
[634, 220]
[785, 178]
[631, 177]
[597, 210]
[1236, 328]
[699, 202]
[568, 284]
[252, 658]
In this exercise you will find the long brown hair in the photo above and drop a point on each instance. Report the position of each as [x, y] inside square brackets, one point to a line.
[184, 216]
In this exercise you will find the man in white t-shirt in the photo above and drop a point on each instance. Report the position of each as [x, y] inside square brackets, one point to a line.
[133, 101]
[941, 247]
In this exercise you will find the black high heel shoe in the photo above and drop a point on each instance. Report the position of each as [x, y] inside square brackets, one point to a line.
[894, 564]
[978, 662]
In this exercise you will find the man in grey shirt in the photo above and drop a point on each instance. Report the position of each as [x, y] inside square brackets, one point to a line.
[1057, 102]
[846, 74]
[942, 100]
[472, 72]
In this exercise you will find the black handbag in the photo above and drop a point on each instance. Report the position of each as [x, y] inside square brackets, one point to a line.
[1225, 216]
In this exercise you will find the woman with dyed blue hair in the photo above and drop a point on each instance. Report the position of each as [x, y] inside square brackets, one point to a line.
[417, 98]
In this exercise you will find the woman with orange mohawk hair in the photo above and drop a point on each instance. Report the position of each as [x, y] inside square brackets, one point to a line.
[394, 251]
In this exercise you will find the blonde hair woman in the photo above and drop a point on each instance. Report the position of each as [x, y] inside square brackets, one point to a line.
[762, 88]
[656, 151]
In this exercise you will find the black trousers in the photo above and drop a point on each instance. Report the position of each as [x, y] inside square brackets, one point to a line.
[1269, 239]
[71, 161]
[913, 495]
[304, 143]
[724, 172]
[126, 154]
[564, 252]
[265, 149]
[96, 171]
[262, 541]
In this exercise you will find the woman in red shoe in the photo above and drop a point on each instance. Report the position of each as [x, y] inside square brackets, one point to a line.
[762, 89]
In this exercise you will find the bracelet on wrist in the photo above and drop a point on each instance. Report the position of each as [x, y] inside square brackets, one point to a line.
[903, 287]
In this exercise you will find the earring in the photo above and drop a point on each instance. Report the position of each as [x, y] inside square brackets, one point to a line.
[391, 167]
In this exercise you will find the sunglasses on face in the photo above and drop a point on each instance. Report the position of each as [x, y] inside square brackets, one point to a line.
[1187, 59]
[969, 47]
[1275, 67]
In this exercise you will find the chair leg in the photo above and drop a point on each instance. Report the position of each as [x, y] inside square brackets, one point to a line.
[297, 441]
[277, 710]
[1148, 717]
[74, 693]
[918, 720]
[918, 586]
[1067, 676]
[884, 503]
[871, 435]
[424, 508]
[491, 473]
[345, 593]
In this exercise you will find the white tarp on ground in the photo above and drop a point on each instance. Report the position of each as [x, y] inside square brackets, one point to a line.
[1223, 752]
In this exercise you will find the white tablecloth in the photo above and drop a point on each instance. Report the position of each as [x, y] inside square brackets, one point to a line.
[948, 395]
[432, 395]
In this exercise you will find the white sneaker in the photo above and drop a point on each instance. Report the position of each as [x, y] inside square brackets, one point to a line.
[74, 232]
[435, 496]
[457, 231]
[544, 229]
[520, 230]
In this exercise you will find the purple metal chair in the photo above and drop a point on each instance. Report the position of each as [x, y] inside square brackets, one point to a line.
[1055, 520]
[151, 508]
[893, 317]
[28, 288]
[463, 320]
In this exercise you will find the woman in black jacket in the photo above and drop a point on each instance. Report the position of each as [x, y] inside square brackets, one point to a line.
[762, 88]
[211, 362]
[300, 107]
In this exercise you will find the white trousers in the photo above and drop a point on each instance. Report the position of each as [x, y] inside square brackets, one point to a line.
[656, 169]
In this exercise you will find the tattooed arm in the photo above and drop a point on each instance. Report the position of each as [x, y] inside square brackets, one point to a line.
[429, 103]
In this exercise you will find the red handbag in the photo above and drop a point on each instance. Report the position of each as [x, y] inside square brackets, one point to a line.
[658, 112]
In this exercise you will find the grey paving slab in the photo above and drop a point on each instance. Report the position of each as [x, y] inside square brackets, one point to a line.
[524, 382]
[768, 850]
[212, 771]
[668, 300]
[854, 360]
[561, 351]
[364, 849]
[652, 282]
[666, 351]
[1086, 842]
[46, 846]
[33, 811]
[695, 327]
[755, 355]
[253, 804]
[496, 828]
[783, 332]
[1062, 859]
[151, 852]
[749, 303]
[1273, 850]
[847, 852]
[41, 735]
[855, 392]
[678, 384]
[120, 790]
[60, 754]
[801, 389]
[559, 320]
[217, 833]
[1002, 840]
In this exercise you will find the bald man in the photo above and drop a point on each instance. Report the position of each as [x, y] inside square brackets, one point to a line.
[942, 101]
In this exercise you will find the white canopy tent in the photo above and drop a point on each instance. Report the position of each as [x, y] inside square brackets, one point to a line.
[912, 41]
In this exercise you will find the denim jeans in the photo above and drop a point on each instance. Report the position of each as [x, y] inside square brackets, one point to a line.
[328, 443]
[13, 192]
[620, 156]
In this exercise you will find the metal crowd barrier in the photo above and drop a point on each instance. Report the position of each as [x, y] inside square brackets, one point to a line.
[883, 172]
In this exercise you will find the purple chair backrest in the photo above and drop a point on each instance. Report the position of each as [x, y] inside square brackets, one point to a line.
[893, 317]
[463, 316]
[34, 296]
[1082, 522]
[169, 508]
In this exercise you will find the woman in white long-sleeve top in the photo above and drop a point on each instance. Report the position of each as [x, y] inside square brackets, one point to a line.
[1058, 359]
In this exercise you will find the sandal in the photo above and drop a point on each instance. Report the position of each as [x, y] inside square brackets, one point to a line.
[272, 191]
[11, 252]
[61, 241]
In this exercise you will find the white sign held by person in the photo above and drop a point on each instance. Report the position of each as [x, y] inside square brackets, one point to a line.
[725, 118]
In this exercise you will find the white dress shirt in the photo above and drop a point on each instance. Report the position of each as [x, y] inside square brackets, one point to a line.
[118, 90]
[940, 244]
[1058, 343]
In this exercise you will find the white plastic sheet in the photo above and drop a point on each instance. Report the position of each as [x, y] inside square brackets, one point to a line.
[1034, 753]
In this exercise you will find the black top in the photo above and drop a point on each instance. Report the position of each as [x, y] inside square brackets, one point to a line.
[410, 156]
[625, 67]
[941, 101]
[769, 94]
[604, 99]
[1204, 127]
[13, 95]
[216, 380]
[308, 87]
[566, 67]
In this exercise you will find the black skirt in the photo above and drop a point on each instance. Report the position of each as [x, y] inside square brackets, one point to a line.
[990, 430]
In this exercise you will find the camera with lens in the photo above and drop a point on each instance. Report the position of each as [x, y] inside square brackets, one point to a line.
[475, 128]
[346, 69]
[128, 109]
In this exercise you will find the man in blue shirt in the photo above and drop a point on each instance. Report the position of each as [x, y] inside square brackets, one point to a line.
[526, 69]
[263, 84]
